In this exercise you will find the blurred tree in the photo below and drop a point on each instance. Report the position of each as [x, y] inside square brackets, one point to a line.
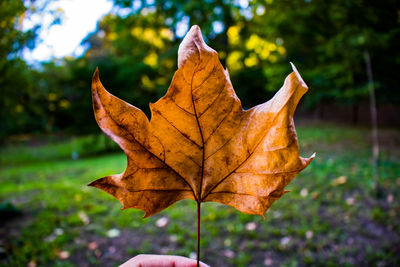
[135, 49]
[21, 104]
[13, 71]
[328, 38]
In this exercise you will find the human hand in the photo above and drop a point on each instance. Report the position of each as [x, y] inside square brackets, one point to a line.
[148, 260]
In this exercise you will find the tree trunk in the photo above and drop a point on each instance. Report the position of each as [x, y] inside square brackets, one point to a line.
[374, 121]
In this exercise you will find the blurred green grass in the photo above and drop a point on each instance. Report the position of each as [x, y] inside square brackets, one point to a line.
[53, 148]
[324, 221]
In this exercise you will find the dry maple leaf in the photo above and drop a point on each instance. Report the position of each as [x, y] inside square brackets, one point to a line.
[200, 143]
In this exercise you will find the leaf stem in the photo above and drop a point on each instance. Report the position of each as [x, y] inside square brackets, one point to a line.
[198, 234]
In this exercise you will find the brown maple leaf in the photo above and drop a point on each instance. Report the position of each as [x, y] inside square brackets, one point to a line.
[200, 143]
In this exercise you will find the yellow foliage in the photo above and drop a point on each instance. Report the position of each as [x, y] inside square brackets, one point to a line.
[251, 61]
[3, 24]
[150, 36]
[64, 103]
[137, 31]
[168, 63]
[281, 50]
[19, 108]
[112, 36]
[264, 53]
[147, 83]
[271, 46]
[234, 61]
[161, 81]
[167, 34]
[263, 49]
[233, 35]
[253, 42]
[151, 59]
[273, 58]
[52, 96]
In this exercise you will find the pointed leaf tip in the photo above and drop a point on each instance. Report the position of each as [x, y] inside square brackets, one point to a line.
[193, 34]
[93, 183]
[96, 75]
[195, 29]
[192, 47]
[298, 75]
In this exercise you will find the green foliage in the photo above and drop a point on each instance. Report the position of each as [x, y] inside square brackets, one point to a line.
[22, 106]
[328, 39]
[12, 39]
[15, 77]
[135, 49]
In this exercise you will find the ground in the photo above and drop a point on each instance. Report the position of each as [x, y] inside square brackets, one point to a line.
[331, 217]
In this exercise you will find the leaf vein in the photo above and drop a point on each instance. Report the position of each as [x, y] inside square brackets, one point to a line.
[219, 124]
[212, 103]
[251, 153]
[176, 128]
[145, 148]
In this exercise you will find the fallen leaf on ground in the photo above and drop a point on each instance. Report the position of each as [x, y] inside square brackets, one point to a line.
[113, 233]
[93, 245]
[200, 143]
[390, 198]
[173, 238]
[285, 240]
[350, 201]
[251, 226]
[162, 222]
[229, 253]
[84, 217]
[340, 180]
[268, 262]
[304, 192]
[314, 195]
[63, 255]
[309, 234]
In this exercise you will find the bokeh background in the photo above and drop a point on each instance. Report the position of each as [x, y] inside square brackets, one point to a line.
[344, 209]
